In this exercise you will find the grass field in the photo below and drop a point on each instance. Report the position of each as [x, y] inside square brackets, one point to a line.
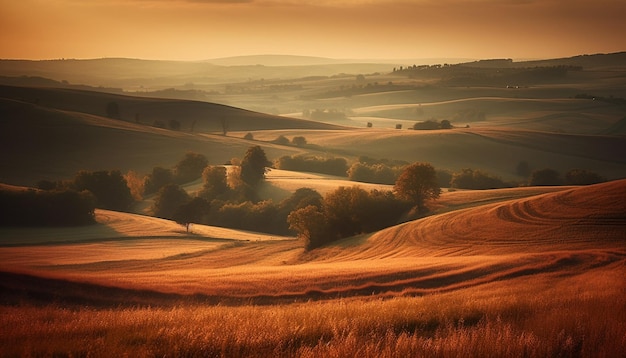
[519, 272]
[535, 276]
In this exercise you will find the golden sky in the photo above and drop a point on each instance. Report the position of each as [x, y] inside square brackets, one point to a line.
[377, 29]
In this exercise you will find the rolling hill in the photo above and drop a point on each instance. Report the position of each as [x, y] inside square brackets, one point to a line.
[52, 133]
[557, 234]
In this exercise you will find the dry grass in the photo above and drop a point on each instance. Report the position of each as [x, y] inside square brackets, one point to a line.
[543, 316]
[533, 277]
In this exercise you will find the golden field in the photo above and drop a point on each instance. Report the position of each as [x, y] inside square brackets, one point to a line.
[536, 276]
[528, 271]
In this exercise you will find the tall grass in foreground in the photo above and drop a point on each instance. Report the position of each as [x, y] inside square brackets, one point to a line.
[579, 316]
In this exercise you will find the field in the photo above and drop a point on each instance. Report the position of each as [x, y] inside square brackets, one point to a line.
[526, 271]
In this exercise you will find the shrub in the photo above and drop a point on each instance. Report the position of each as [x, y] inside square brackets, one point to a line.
[248, 136]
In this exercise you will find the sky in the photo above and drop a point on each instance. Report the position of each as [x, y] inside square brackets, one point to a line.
[342, 29]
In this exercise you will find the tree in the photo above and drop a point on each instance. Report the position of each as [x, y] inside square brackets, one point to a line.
[445, 124]
[298, 141]
[310, 224]
[109, 187]
[253, 166]
[113, 110]
[136, 184]
[191, 212]
[168, 200]
[190, 167]
[215, 183]
[174, 125]
[281, 140]
[225, 126]
[476, 179]
[545, 177]
[418, 183]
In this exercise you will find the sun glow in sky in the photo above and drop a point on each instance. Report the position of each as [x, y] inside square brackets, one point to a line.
[376, 29]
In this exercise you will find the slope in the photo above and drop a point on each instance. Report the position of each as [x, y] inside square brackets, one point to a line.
[550, 236]
[192, 115]
[47, 143]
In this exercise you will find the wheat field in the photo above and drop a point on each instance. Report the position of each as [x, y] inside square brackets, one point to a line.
[532, 276]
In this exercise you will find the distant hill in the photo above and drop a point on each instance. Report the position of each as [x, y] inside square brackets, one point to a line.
[202, 116]
[124, 72]
[275, 60]
[595, 61]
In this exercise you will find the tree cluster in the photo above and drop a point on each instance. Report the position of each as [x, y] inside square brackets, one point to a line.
[188, 169]
[345, 212]
[109, 188]
[476, 179]
[432, 124]
[64, 207]
[547, 176]
[349, 211]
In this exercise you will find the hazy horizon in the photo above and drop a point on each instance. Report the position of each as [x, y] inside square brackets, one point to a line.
[195, 30]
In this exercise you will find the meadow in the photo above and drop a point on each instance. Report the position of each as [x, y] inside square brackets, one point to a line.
[526, 271]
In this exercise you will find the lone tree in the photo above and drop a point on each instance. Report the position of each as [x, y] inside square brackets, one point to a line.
[418, 183]
[191, 212]
[253, 166]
